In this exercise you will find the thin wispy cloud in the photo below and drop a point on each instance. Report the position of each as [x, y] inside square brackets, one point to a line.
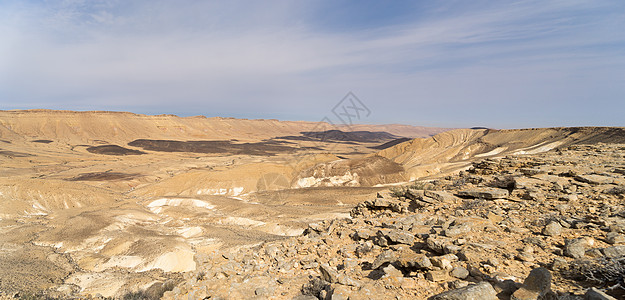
[513, 64]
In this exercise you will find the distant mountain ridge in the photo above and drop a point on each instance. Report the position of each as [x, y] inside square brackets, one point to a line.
[124, 127]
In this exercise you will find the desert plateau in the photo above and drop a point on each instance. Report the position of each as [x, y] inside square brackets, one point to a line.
[112, 204]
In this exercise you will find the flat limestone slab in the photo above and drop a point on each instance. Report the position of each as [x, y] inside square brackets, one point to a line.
[484, 193]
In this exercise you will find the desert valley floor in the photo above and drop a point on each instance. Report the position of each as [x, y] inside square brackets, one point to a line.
[106, 204]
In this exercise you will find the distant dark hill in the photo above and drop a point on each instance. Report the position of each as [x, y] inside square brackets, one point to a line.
[391, 143]
[113, 150]
[216, 147]
[343, 136]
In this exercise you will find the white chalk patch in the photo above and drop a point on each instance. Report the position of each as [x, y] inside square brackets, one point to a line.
[189, 232]
[538, 148]
[156, 205]
[492, 152]
[124, 261]
[240, 221]
[235, 191]
[347, 179]
[180, 260]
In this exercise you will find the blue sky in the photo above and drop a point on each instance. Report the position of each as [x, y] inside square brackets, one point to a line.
[503, 64]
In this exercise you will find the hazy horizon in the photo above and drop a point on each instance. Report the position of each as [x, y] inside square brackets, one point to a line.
[445, 64]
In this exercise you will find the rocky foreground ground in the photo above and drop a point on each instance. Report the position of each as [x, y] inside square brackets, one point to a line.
[545, 226]
[541, 226]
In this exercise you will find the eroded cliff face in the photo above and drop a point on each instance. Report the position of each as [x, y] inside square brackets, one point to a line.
[456, 149]
[367, 171]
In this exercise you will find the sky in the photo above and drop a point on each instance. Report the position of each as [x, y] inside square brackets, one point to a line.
[499, 64]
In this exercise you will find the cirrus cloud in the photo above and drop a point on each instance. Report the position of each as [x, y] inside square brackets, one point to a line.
[513, 64]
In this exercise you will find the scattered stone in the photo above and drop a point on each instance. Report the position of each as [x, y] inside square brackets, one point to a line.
[363, 249]
[569, 198]
[441, 196]
[470, 255]
[618, 226]
[615, 238]
[575, 248]
[495, 218]
[328, 273]
[437, 275]
[481, 291]
[559, 263]
[595, 179]
[457, 230]
[273, 251]
[614, 251]
[536, 241]
[382, 203]
[536, 285]
[347, 280]
[438, 244]
[484, 193]
[526, 254]
[594, 253]
[459, 272]
[493, 262]
[596, 294]
[442, 262]
[391, 272]
[414, 260]
[552, 229]
[263, 291]
[505, 288]
[531, 171]
[385, 257]
[458, 284]
[400, 237]
[365, 234]
[536, 196]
